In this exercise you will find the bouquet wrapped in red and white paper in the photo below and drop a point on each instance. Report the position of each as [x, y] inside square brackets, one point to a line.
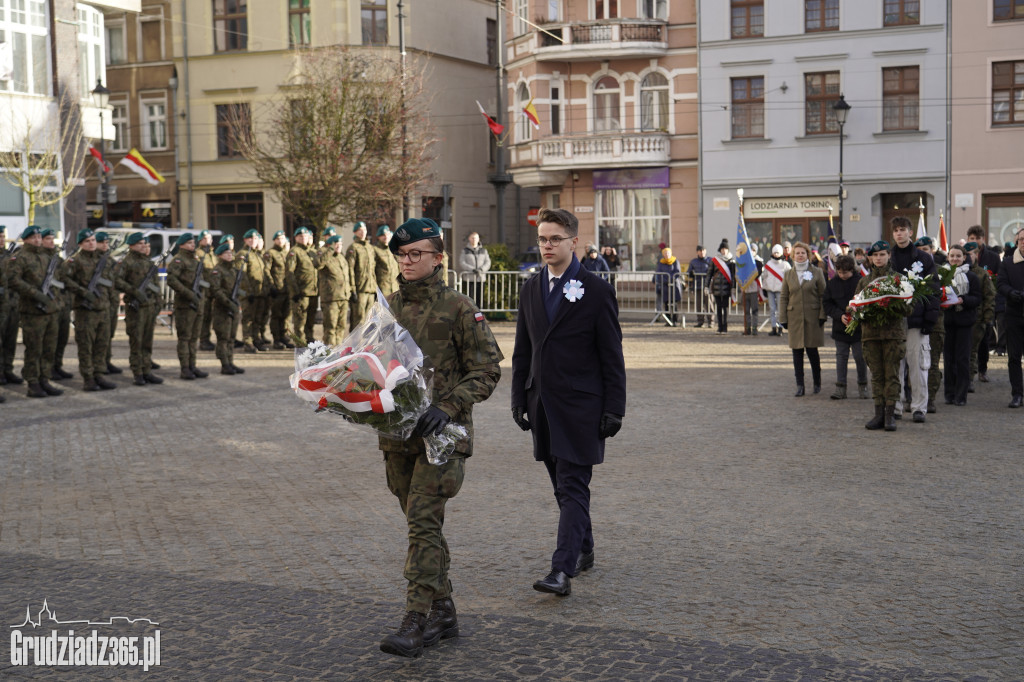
[882, 301]
[375, 378]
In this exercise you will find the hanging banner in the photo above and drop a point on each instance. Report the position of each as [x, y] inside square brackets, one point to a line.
[631, 178]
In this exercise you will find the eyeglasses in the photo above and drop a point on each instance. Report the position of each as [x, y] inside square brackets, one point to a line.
[554, 241]
[413, 256]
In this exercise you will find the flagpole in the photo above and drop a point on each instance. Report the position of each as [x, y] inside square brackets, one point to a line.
[500, 179]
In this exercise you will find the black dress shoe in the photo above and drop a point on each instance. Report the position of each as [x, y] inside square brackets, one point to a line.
[584, 562]
[799, 392]
[817, 388]
[556, 582]
[1017, 401]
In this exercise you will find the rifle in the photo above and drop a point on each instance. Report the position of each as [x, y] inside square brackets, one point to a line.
[98, 279]
[234, 289]
[50, 282]
[198, 284]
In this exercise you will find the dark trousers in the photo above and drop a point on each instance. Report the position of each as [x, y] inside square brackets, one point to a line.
[9, 337]
[63, 336]
[956, 361]
[1014, 347]
[798, 365]
[722, 312]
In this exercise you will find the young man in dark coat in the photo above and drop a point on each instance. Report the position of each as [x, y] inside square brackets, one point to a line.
[838, 292]
[568, 384]
[1011, 285]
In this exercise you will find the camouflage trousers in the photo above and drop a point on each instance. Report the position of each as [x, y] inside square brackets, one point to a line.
[139, 325]
[883, 357]
[226, 327]
[979, 348]
[303, 319]
[92, 336]
[9, 338]
[187, 324]
[360, 308]
[39, 334]
[262, 314]
[938, 341]
[335, 315]
[423, 490]
[206, 308]
[63, 336]
[279, 317]
[248, 311]
[113, 312]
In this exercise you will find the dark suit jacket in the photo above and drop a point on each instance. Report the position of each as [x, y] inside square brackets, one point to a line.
[573, 366]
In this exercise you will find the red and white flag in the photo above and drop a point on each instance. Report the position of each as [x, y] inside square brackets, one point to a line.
[138, 164]
[99, 158]
[495, 127]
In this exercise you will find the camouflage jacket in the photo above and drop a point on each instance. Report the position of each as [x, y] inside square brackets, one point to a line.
[362, 263]
[256, 279]
[208, 257]
[386, 269]
[222, 281]
[78, 272]
[277, 263]
[896, 330]
[181, 272]
[27, 270]
[301, 272]
[5, 286]
[129, 275]
[335, 277]
[456, 341]
[987, 309]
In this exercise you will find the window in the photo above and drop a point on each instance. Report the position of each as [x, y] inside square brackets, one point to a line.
[604, 9]
[154, 123]
[1008, 93]
[25, 58]
[519, 25]
[116, 51]
[556, 110]
[902, 12]
[653, 9]
[747, 18]
[901, 98]
[492, 42]
[748, 107]
[523, 126]
[654, 102]
[91, 62]
[151, 33]
[119, 117]
[606, 106]
[375, 22]
[232, 122]
[230, 25]
[554, 10]
[235, 213]
[1007, 10]
[634, 222]
[821, 15]
[821, 91]
[298, 23]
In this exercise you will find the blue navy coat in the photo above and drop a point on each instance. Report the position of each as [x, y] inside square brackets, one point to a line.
[573, 365]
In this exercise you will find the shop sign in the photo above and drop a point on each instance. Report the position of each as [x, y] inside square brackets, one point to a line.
[790, 207]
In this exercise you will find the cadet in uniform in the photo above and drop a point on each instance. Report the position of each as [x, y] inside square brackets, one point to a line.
[986, 316]
[385, 267]
[262, 314]
[8, 317]
[57, 371]
[301, 277]
[204, 252]
[141, 306]
[226, 312]
[279, 299]
[453, 333]
[38, 312]
[250, 262]
[103, 246]
[181, 273]
[92, 310]
[335, 290]
[361, 261]
[937, 339]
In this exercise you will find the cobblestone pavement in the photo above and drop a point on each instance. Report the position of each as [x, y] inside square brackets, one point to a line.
[742, 533]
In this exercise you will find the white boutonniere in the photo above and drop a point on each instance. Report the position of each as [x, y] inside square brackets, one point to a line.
[806, 276]
[573, 290]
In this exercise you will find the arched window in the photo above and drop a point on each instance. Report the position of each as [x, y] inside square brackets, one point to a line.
[523, 126]
[606, 106]
[654, 102]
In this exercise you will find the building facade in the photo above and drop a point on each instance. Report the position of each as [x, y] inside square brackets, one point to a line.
[771, 74]
[614, 86]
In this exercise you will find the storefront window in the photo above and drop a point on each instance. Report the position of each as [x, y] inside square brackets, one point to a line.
[635, 222]
[1004, 216]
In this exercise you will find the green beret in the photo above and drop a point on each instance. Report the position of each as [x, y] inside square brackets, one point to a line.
[330, 231]
[302, 230]
[85, 234]
[383, 229]
[135, 238]
[30, 230]
[102, 236]
[224, 246]
[251, 233]
[48, 232]
[204, 233]
[225, 238]
[970, 246]
[880, 245]
[184, 239]
[414, 230]
[334, 238]
[925, 241]
[3, 229]
[279, 233]
[359, 224]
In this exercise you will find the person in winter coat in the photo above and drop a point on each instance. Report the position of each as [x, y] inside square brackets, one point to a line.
[697, 276]
[1011, 286]
[802, 314]
[723, 284]
[838, 293]
[667, 284]
[771, 281]
[474, 262]
[959, 320]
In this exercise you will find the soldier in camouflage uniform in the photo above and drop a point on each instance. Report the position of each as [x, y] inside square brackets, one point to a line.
[279, 298]
[141, 306]
[937, 338]
[181, 273]
[986, 316]
[8, 317]
[385, 267]
[103, 246]
[335, 290]
[37, 311]
[250, 262]
[884, 347]
[362, 262]
[262, 314]
[204, 252]
[91, 309]
[302, 286]
[58, 372]
[455, 337]
[226, 311]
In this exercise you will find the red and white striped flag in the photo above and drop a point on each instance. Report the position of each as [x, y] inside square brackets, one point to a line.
[99, 158]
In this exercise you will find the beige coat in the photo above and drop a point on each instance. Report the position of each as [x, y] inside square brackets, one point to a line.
[800, 307]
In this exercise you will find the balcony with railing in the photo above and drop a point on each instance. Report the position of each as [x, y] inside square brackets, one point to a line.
[605, 39]
[543, 162]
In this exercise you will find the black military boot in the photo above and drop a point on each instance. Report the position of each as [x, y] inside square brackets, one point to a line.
[152, 378]
[408, 640]
[878, 421]
[187, 374]
[226, 369]
[104, 384]
[206, 345]
[198, 373]
[36, 391]
[59, 374]
[238, 370]
[111, 369]
[153, 365]
[13, 378]
[139, 380]
[890, 418]
[2, 398]
[90, 385]
[50, 389]
[442, 622]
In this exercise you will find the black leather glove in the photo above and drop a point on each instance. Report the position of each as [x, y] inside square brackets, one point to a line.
[1017, 296]
[432, 422]
[519, 416]
[609, 425]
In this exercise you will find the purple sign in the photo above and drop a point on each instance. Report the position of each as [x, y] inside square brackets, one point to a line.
[631, 178]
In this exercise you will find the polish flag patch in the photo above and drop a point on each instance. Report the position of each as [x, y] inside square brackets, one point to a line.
[479, 317]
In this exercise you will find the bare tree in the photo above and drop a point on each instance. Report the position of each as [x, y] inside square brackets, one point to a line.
[45, 154]
[348, 139]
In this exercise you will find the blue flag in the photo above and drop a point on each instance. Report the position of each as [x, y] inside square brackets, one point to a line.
[746, 268]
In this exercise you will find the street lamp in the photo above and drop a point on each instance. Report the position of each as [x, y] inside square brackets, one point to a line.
[842, 109]
[101, 98]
